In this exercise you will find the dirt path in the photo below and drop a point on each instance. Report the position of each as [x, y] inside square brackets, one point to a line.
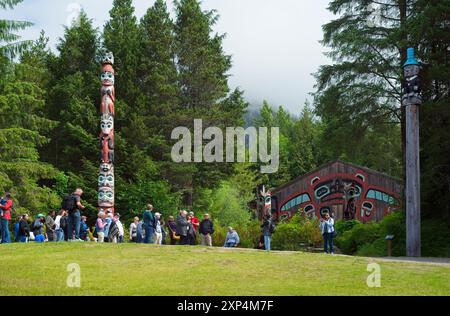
[434, 261]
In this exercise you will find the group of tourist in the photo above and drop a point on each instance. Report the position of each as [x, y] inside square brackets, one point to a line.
[69, 225]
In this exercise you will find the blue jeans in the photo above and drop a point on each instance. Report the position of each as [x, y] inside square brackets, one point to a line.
[23, 239]
[149, 231]
[327, 240]
[267, 242]
[230, 244]
[59, 235]
[6, 236]
[74, 222]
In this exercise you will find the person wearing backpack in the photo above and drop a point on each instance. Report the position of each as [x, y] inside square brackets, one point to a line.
[6, 206]
[327, 230]
[72, 204]
[268, 228]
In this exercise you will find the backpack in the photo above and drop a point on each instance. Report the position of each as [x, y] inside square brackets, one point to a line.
[69, 203]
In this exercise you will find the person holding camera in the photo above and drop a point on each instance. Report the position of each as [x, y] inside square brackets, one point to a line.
[327, 229]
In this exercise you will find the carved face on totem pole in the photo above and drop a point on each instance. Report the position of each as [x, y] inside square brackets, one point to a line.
[106, 167]
[265, 203]
[107, 58]
[107, 124]
[106, 179]
[106, 197]
[107, 78]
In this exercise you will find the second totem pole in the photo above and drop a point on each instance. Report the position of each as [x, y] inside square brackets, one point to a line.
[106, 138]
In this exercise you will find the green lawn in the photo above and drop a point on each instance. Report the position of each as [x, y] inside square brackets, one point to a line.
[130, 269]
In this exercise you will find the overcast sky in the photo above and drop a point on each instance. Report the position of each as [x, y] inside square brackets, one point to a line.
[274, 43]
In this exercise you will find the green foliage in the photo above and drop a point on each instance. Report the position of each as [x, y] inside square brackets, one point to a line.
[369, 239]
[343, 226]
[10, 45]
[227, 206]
[299, 230]
[351, 241]
[61, 185]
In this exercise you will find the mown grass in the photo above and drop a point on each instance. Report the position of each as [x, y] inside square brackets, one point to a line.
[131, 269]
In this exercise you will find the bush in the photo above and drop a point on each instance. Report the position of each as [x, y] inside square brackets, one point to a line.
[435, 238]
[343, 226]
[378, 248]
[351, 241]
[299, 230]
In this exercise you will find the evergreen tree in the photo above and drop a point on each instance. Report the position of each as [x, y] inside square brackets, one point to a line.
[11, 46]
[202, 64]
[305, 150]
[360, 91]
[73, 101]
[23, 127]
[203, 78]
[429, 32]
[158, 78]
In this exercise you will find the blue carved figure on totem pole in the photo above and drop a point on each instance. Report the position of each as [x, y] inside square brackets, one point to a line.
[411, 90]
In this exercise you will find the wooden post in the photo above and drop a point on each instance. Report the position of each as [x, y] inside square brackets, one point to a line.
[411, 100]
[412, 182]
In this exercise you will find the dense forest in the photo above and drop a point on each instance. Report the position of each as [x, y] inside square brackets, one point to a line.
[170, 71]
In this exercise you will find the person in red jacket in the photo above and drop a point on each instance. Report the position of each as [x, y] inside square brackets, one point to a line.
[6, 204]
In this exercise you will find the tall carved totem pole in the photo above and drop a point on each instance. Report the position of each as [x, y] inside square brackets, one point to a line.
[411, 100]
[106, 141]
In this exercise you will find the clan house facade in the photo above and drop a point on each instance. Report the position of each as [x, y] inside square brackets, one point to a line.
[344, 190]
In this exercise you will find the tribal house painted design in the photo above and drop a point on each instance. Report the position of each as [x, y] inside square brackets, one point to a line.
[344, 190]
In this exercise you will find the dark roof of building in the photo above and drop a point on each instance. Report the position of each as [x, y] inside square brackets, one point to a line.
[368, 170]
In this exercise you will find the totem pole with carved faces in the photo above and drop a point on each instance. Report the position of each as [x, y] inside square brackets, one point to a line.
[106, 138]
[264, 203]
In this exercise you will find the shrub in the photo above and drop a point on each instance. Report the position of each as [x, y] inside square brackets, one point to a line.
[343, 226]
[378, 248]
[435, 238]
[299, 230]
[351, 241]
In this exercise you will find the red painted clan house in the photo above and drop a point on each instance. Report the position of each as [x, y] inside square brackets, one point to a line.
[345, 190]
